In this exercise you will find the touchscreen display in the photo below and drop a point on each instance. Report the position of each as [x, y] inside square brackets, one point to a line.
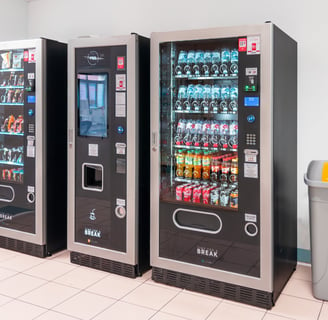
[92, 105]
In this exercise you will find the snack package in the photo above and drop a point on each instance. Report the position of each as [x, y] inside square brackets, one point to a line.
[17, 59]
[6, 57]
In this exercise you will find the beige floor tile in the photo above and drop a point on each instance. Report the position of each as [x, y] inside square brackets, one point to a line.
[166, 316]
[122, 310]
[49, 295]
[302, 272]
[52, 315]
[6, 254]
[324, 312]
[146, 276]
[190, 306]
[50, 270]
[296, 308]
[150, 296]
[161, 285]
[114, 286]
[19, 284]
[17, 310]
[21, 262]
[84, 305]
[6, 273]
[227, 311]
[269, 316]
[4, 300]
[299, 288]
[81, 277]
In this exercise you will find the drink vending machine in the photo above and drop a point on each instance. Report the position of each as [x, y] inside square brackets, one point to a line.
[223, 161]
[108, 149]
[33, 153]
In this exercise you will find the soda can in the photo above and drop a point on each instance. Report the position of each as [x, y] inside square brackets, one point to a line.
[179, 191]
[187, 192]
[224, 197]
[197, 193]
[215, 196]
[206, 194]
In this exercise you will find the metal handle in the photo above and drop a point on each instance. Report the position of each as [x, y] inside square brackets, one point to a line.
[154, 141]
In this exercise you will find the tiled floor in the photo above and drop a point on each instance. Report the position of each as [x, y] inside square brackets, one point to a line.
[55, 289]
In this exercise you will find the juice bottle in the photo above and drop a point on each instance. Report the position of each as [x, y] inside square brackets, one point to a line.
[234, 170]
[197, 174]
[206, 163]
[189, 160]
[215, 168]
[180, 161]
[225, 170]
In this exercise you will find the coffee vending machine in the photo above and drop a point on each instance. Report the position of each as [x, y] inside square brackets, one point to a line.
[108, 153]
[33, 152]
[224, 161]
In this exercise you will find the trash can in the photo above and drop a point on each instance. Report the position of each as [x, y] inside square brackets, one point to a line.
[317, 180]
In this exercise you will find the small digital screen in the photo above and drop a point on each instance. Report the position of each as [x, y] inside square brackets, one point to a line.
[92, 104]
[252, 101]
[30, 99]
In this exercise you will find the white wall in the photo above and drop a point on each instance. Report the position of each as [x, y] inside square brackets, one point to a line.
[13, 21]
[304, 20]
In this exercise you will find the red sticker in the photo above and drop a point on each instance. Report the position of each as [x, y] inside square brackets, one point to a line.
[254, 46]
[242, 44]
[120, 63]
[25, 56]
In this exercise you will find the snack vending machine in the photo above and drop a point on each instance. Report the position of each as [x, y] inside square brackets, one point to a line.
[33, 161]
[223, 161]
[109, 133]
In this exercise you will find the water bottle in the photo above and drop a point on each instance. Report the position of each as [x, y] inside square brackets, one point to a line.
[234, 62]
[182, 60]
[225, 61]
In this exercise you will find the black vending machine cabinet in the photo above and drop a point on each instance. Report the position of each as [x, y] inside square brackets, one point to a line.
[108, 148]
[224, 161]
[33, 152]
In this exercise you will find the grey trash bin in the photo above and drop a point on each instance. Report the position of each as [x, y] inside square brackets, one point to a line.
[317, 180]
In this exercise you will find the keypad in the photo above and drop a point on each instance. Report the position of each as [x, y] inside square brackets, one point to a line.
[251, 139]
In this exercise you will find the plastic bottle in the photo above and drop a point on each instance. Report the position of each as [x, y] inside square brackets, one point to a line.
[206, 164]
[197, 174]
[180, 163]
[189, 160]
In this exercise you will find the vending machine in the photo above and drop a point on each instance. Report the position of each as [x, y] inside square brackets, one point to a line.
[224, 161]
[33, 139]
[108, 149]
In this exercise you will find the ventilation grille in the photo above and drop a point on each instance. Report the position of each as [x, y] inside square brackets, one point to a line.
[23, 247]
[102, 264]
[224, 290]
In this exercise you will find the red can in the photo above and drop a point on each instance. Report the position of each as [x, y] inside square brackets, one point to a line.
[207, 193]
[197, 193]
[179, 191]
[187, 192]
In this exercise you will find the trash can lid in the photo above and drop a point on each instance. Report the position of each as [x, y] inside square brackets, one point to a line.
[317, 172]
